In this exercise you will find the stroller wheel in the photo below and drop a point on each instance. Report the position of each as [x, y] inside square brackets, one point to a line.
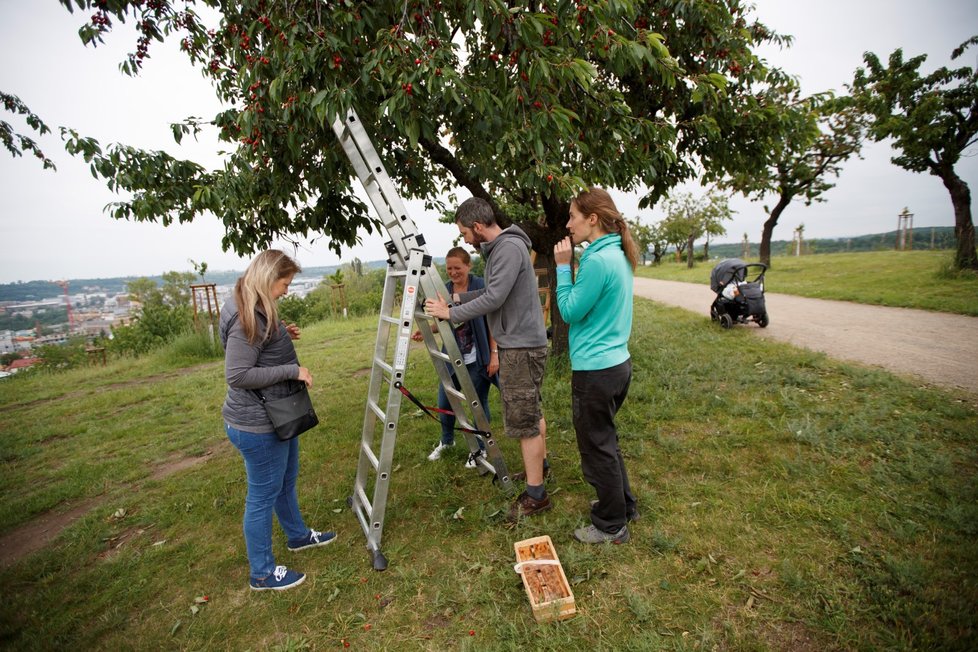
[762, 320]
[726, 320]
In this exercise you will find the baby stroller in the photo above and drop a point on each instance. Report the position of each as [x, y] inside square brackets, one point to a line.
[738, 299]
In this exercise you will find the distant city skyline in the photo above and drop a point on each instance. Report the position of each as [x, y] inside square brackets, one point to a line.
[53, 224]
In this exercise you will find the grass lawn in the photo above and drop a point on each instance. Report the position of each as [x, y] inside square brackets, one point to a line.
[789, 502]
[906, 279]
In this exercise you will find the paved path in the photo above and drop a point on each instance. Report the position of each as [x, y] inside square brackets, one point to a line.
[940, 348]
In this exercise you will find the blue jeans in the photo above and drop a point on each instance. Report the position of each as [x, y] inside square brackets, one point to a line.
[272, 467]
[481, 381]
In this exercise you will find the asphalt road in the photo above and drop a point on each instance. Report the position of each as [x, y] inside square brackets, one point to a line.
[939, 348]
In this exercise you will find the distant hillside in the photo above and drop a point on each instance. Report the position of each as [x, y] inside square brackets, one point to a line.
[942, 237]
[37, 290]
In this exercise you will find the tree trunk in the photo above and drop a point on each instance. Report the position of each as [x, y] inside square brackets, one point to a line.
[768, 231]
[544, 236]
[689, 252]
[964, 228]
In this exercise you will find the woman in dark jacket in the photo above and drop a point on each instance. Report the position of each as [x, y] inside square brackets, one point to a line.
[475, 343]
[260, 358]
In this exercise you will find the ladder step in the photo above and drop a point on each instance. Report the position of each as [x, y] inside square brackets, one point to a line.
[390, 320]
[436, 353]
[367, 507]
[457, 393]
[380, 362]
[374, 462]
[376, 410]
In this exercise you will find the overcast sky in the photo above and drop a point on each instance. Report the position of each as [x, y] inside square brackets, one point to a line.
[52, 224]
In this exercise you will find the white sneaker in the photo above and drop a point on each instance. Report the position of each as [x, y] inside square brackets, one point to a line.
[436, 454]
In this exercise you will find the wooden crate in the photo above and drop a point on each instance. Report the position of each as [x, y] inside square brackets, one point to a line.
[546, 585]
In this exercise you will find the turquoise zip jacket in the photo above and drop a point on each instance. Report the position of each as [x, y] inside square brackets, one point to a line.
[597, 306]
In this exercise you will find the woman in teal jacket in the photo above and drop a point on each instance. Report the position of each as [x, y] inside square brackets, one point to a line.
[597, 306]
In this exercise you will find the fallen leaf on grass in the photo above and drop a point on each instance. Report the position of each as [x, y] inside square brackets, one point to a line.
[458, 514]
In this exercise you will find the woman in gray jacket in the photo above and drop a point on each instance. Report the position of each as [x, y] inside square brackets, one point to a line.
[259, 355]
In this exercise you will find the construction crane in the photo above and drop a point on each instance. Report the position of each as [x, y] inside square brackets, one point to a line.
[71, 317]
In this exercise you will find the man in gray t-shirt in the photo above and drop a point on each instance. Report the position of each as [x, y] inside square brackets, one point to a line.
[510, 301]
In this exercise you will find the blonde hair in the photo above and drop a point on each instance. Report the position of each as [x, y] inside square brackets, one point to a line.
[253, 291]
[598, 201]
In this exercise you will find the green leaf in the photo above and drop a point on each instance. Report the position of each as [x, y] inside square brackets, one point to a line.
[412, 128]
[318, 100]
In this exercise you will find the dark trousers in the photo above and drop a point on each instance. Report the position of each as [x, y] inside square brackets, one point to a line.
[596, 397]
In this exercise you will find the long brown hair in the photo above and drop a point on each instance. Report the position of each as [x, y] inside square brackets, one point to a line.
[253, 291]
[598, 201]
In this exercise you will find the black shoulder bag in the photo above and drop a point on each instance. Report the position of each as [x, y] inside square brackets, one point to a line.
[291, 416]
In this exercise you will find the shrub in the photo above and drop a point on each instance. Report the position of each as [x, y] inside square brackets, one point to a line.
[195, 347]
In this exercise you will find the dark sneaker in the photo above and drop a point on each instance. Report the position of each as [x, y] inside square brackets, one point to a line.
[281, 578]
[520, 476]
[631, 514]
[312, 540]
[526, 505]
[591, 534]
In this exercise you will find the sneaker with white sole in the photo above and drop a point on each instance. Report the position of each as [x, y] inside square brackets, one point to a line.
[591, 534]
[631, 514]
[280, 579]
[439, 449]
[312, 540]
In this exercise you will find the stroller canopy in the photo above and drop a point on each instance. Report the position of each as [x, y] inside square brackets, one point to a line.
[727, 270]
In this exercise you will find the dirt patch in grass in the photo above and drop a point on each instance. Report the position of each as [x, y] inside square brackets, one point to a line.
[754, 627]
[34, 535]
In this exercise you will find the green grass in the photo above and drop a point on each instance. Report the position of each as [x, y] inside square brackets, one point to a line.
[788, 501]
[905, 279]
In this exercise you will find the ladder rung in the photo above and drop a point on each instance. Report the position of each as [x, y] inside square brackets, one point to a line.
[376, 409]
[367, 507]
[436, 353]
[457, 393]
[370, 455]
[383, 365]
[390, 320]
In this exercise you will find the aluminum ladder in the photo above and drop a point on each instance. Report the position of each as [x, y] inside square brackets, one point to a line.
[411, 277]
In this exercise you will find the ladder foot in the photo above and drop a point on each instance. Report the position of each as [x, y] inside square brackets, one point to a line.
[380, 561]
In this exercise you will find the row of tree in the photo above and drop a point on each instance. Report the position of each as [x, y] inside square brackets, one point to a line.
[521, 103]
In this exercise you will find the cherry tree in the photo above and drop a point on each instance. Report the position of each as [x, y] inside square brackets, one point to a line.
[932, 119]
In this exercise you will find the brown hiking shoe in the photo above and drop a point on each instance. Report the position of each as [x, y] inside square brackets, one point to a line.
[525, 505]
